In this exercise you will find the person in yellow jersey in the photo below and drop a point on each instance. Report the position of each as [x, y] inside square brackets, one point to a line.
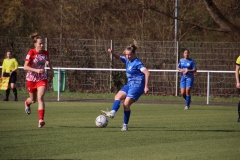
[9, 67]
[237, 76]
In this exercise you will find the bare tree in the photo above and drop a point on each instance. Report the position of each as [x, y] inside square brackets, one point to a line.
[224, 24]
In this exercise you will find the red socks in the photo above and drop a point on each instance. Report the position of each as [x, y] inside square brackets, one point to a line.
[41, 114]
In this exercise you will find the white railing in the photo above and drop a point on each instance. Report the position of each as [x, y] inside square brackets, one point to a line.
[151, 70]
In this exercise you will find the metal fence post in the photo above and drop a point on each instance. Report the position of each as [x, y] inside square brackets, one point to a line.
[208, 87]
[111, 61]
[59, 83]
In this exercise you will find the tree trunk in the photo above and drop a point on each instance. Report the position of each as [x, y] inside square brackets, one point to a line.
[223, 22]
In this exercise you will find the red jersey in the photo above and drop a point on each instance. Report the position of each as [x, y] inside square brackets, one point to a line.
[36, 60]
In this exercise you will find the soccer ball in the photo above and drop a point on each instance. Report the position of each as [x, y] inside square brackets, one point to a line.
[101, 121]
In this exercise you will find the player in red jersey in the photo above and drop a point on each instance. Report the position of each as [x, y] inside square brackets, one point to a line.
[36, 78]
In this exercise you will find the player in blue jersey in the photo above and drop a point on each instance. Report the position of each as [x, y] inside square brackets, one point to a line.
[187, 67]
[137, 83]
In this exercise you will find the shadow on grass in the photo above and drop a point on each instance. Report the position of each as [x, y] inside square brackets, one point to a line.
[139, 129]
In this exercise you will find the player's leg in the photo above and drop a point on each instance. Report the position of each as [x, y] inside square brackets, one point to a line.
[117, 101]
[30, 100]
[239, 106]
[41, 104]
[127, 112]
[132, 96]
[188, 97]
[183, 87]
[7, 94]
[183, 92]
[189, 85]
[13, 80]
[32, 91]
[8, 89]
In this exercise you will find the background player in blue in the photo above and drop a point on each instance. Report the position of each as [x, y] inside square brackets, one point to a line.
[137, 83]
[187, 68]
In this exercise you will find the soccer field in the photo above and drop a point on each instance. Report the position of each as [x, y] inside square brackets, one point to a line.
[156, 131]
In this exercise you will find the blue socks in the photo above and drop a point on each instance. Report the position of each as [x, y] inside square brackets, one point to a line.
[188, 100]
[126, 116]
[184, 96]
[116, 105]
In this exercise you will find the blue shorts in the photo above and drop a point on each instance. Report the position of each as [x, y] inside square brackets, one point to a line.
[186, 82]
[133, 92]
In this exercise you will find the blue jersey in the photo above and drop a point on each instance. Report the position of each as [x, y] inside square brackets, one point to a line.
[187, 64]
[135, 77]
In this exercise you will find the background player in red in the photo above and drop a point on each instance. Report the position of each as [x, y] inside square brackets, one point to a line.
[36, 78]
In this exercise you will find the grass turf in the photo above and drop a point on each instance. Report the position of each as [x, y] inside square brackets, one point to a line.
[156, 131]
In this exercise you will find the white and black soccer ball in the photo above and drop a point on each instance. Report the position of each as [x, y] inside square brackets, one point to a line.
[101, 121]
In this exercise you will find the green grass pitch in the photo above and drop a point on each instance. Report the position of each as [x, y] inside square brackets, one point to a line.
[156, 131]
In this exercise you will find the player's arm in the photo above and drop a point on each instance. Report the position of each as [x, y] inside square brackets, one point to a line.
[192, 70]
[15, 66]
[180, 68]
[147, 74]
[27, 68]
[237, 76]
[114, 54]
[3, 67]
[49, 64]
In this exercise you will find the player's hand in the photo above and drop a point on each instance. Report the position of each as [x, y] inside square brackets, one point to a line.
[237, 85]
[184, 71]
[110, 50]
[50, 76]
[146, 90]
[40, 71]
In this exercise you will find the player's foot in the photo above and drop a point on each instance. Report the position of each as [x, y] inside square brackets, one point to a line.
[6, 99]
[186, 108]
[16, 99]
[27, 108]
[124, 127]
[109, 114]
[238, 119]
[41, 123]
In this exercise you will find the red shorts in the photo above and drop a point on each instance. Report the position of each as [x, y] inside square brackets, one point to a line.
[32, 86]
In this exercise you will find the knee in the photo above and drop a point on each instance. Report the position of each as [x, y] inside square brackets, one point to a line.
[117, 97]
[183, 93]
[126, 106]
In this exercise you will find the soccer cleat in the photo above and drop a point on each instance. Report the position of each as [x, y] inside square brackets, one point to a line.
[109, 114]
[186, 108]
[6, 99]
[16, 99]
[41, 123]
[124, 127]
[27, 108]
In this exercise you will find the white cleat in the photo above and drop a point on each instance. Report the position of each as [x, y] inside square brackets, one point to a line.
[27, 109]
[186, 108]
[109, 114]
[124, 127]
[41, 123]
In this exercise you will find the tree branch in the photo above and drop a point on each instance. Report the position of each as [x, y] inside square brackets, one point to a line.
[153, 8]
